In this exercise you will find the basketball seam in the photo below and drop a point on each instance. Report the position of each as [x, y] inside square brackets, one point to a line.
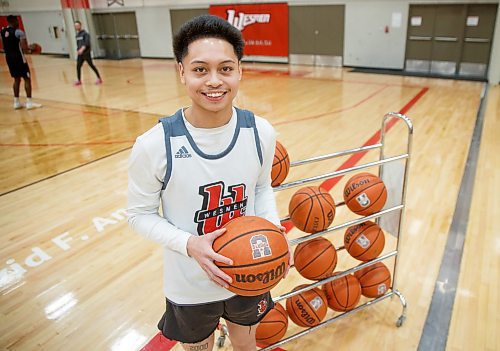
[373, 267]
[276, 333]
[308, 215]
[264, 289]
[371, 245]
[362, 174]
[369, 225]
[307, 304]
[300, 203]
[371, 270]
[347, 283]
[284, 315]
[322, 212]
[299, 322]
[354, 194]
[314, 258]
[372, 285]
[243, 234]
[335, 296]
[374, 202]
[327, 199]
[330, 267]
[254, 264]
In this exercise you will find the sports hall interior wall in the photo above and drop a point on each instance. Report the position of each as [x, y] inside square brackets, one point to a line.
[364, 46]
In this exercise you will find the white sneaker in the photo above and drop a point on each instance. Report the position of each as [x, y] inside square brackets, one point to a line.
[32, 105]
[18, 105]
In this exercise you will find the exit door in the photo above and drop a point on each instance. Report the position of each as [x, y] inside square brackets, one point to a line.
[450, 40]
[117, 34]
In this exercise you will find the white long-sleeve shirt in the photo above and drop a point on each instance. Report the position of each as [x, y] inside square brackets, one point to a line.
[209, 177]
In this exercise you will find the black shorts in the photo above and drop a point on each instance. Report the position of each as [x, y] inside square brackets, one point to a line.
[18, 69]
[194, 323]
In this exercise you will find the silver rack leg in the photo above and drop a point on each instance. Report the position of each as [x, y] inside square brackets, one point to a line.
[223, 333]
[401, 318]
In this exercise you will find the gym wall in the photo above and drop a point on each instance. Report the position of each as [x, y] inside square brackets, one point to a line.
[367, 42]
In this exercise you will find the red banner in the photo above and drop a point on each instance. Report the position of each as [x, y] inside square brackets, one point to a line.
[264, 26]
[75, 4]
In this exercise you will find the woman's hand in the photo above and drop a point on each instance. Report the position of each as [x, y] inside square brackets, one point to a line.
[290, 261]
[200, 248]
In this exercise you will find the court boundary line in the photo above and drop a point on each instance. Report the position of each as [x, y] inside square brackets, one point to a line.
[131, 141]
[438, 321]
[362, 101]
[155, 343]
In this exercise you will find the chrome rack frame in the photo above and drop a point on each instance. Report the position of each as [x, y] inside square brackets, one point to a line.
[382, 160]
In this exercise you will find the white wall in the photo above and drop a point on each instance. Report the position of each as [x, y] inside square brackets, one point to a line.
[155, 31]
[39, 29]
[16, 6]
[366, 44]
[494, 69]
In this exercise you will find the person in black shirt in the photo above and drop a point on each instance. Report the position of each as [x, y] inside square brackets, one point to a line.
[15, 45]
[83, 51]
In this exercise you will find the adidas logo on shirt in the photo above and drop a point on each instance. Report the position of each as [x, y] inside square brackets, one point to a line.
[182, 153]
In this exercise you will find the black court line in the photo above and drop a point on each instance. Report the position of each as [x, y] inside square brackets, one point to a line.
[437, 324]
[86, 163]
[86, 105]
[65, 171]
[400, 72]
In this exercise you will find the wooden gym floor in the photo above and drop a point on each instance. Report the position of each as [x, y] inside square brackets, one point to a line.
[73, 276]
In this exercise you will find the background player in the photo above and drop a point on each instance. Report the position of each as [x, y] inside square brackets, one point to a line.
[15, 45]
[83, 52]
[206, 155]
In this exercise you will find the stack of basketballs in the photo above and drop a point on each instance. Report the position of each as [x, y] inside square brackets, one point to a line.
[312, 210]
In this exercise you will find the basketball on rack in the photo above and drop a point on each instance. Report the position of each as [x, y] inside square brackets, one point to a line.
[308, 308]
[273, 326]
[375, 280]
[311, 209]
[343, 293]
[365, 194]
[315, 259]
[364, 241]
[259, 252]
[281, 165]
[35, 49]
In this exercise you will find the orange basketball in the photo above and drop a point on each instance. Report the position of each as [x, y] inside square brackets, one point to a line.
[273, 326]
[307, 309]
[311, 209]
[342, 294]
[365, 194]
[375, 280]
[364, 241]
[281, 165]
[259, 252]
[35, 49]
[315, 259]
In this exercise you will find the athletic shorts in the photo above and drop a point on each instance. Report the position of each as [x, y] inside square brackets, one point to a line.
[194, 323]
[18, 69]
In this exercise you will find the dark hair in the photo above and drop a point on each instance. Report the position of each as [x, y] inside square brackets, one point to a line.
[11, 19]
[207, 26]
[80, 23]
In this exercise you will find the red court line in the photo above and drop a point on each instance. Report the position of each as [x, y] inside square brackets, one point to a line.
[328, 184]
[160, 343]
[335, 111]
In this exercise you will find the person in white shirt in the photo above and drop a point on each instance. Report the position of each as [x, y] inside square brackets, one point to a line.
[206, 164]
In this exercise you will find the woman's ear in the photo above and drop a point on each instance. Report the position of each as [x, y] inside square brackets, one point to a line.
[240, 70]
[181, 72]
